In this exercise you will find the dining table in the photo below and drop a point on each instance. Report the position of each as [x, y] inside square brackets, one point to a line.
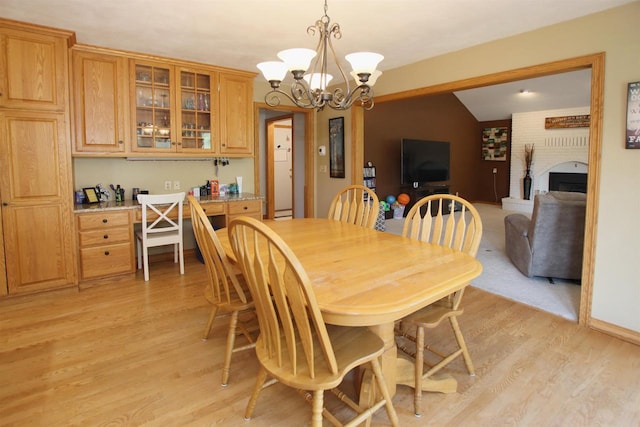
[364, 277]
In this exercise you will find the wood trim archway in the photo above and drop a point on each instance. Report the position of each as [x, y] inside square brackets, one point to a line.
[596, 63]
[309, 173]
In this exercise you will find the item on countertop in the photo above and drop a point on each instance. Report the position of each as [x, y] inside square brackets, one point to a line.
[79, 197]
[103, 192]
[134, 193]
[215, 187]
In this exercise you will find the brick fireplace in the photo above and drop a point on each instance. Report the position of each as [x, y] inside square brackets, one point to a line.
[562, 151]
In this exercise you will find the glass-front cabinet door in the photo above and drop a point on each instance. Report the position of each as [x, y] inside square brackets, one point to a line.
[153, 99]
[197, 108]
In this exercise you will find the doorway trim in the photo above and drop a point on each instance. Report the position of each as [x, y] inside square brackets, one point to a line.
[309, 151]
[596, 63]
[270, 172]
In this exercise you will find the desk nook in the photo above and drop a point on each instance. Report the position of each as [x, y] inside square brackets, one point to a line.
[105, 230]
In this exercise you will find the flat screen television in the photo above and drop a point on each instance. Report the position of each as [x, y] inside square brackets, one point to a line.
[424, 162]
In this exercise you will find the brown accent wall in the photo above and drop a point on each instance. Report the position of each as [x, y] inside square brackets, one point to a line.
[493, 187]
[437, 118]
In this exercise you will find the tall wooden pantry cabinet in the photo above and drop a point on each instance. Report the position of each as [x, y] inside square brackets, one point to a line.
[36, 229]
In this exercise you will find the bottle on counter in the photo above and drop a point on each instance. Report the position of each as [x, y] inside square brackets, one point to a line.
[118, 194]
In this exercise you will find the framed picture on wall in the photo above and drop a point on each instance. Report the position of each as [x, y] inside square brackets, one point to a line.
[336, 147]
[633, 116]
[494, 144]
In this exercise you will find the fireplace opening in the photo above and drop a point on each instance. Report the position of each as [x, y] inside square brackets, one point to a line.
[564, 181]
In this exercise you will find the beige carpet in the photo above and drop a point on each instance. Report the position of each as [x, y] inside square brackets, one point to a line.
[501, 277]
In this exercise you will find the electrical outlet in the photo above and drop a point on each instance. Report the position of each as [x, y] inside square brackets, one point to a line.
[495, 170]
[176, 185]
[167, 185]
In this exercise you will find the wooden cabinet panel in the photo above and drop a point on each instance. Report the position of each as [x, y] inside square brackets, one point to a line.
[236, 114]
[212, 208]
[251, 208]
[106, 243]
[101, 237]
[33, 69]
[100, 97]
[103, 220]
[3, 267]
[107, 260]
[36, 196]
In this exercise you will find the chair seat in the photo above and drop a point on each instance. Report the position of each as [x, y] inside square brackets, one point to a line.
[166, 238]
[352, 347]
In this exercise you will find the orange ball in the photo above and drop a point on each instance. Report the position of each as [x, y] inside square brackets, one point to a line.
[403, 198]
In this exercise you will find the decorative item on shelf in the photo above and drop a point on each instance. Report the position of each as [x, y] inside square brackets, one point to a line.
[529, 149]
[309, 88]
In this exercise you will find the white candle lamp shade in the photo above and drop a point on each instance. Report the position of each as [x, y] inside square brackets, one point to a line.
[372, 78]
[364, 62]
[297, 59]
[273, 70]
[318, 80]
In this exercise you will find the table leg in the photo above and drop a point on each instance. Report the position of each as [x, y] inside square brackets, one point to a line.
[398, 369]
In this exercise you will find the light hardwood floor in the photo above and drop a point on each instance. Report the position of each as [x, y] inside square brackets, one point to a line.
[126, 352]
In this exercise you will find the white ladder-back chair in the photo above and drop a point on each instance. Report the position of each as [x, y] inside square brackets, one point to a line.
[161, 225]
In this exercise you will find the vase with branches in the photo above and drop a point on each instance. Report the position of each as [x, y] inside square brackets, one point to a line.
[529, 149]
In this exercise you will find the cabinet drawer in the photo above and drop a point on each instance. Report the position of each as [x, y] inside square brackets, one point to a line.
[107, 236]
[245, 207]
[213, 208]
[102, 220]
[106, 260]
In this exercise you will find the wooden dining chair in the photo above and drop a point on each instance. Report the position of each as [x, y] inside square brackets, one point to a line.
[226, 289]
[450, 221]
[355, 204]
[295, 347]
[161, 226]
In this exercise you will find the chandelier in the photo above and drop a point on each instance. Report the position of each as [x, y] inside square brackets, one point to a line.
[311, 79]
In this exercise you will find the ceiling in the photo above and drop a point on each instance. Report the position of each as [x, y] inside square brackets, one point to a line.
[241, 33]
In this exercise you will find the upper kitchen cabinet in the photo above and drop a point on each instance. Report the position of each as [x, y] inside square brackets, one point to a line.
[33, 66]
[180, 108]
[100, 101]
[236, 114]
[198, 111]
[153, 110]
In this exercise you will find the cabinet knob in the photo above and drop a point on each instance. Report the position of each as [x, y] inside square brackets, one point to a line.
[106, 236]
[120, 142]
[106, 253]
[5, 204]
[245, 208]
[105, 220]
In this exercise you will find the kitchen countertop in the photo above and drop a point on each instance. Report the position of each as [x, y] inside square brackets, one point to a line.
[131, 204]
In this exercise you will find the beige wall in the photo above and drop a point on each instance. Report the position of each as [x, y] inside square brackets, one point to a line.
[616, 292]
